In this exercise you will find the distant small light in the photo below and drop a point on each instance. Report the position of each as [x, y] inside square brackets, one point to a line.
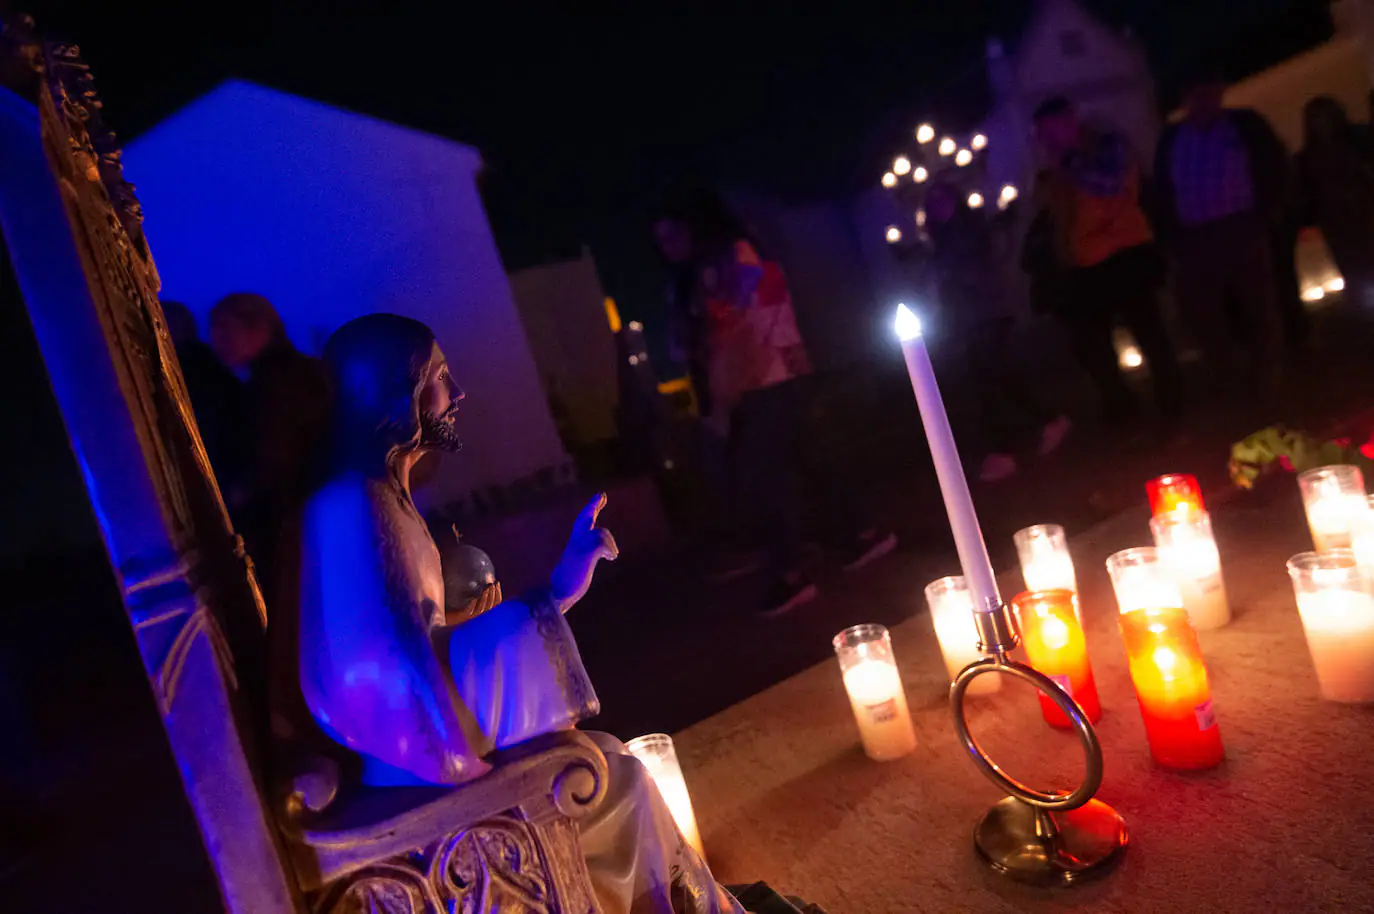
[1131, 358]
[925, 133]
[1313, 293]
[668, 464]
[920, 174]
[975, 200]
[947, 147]
[644, 356]
[901, 165]
[636, 325]
[963, 157]
[1334, 285]
[634, 360]
[889, 180]
[894, 234]
[1007, 196]
[978, 141]
[920, 217]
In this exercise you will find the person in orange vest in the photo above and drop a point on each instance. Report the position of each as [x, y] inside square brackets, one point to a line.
[1105, 247]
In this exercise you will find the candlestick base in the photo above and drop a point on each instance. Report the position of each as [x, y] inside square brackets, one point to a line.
[1041, 837]
[1033, 845]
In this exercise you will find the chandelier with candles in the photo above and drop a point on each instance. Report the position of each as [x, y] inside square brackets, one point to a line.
[946, 160]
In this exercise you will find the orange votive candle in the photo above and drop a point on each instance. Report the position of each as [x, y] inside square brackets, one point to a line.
[1174, 493]
[1171, 685]
[1054, 643]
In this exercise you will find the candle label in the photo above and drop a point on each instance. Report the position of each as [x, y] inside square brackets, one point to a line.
[883, 711]
[1064, 682]
[1206, 717]
[1210, 585]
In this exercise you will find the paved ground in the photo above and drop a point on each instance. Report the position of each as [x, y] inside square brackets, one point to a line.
[666, 649]
[782, 791]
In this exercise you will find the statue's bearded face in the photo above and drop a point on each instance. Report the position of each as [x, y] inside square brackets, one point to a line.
[438, 402]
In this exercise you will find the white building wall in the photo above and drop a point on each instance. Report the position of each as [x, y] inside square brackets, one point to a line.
[333, 215]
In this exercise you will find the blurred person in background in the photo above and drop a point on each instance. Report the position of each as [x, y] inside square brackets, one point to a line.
[216, 396]
[1223, 192]
[1336, 190]
[286, 407]
[1111, 268]
[977, 314]
[732, 323]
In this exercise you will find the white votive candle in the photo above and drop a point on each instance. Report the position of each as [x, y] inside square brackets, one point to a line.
[1140, 580]
[951, 611]
[1189, 551]
[1336, 505]
[1336, 604]
[1362, 541]
[1045, 561]
[659, 756]
[875, 691]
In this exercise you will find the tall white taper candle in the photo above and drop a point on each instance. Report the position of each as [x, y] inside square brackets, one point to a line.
[963, 520]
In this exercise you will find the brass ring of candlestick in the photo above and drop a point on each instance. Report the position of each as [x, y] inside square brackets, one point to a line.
[1092, 749]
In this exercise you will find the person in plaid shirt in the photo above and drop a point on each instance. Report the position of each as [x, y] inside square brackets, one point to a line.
[731, 321]
[1224, 189]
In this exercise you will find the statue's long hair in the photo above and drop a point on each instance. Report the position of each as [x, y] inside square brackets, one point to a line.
[378, 364]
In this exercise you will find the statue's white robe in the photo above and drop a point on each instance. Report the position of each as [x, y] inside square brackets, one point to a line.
[422, 703]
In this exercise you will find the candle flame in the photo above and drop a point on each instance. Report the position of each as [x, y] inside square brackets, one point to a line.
[1054, 633]
[907, 324]
[1166, 660]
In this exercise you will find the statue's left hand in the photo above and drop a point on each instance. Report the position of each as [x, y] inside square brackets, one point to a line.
[588, 545]
[489, 599]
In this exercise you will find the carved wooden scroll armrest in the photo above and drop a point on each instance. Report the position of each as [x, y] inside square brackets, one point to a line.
[509, 837]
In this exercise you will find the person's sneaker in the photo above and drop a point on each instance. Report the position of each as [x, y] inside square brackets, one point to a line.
[784, 596]
[997, 467]
[1053, 435]
[868, 548]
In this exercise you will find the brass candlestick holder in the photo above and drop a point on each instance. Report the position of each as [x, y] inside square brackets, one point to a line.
[1032, 836]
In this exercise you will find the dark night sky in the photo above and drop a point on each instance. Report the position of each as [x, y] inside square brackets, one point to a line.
[583, 110]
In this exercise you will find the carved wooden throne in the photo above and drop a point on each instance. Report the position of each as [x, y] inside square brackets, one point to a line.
[72, 226]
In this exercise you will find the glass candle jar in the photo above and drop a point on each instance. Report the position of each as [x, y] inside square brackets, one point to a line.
[1045, 561]
[875, 691]
[1336, 505]
[1189, 551]
[1141, 580]
[951, 611]
[1171, 686]
[1175, 493]
[1165, 661]
[1054, 643]
[659, 755]
[1336, 604]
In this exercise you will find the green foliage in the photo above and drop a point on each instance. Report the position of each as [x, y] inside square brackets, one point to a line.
[1296, 451]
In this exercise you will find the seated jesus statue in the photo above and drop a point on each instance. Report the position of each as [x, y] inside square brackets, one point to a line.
[419, 701]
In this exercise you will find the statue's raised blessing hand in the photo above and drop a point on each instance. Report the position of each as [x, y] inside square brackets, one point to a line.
[588, 545]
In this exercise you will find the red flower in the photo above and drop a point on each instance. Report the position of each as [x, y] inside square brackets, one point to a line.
[1367, 449]
[1285, 462]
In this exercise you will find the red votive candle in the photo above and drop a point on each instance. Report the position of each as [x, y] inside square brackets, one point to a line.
[1176, 492]
[1170, 681]
[1054, 643]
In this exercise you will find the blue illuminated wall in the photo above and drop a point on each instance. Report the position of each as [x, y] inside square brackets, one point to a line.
[331, 215]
